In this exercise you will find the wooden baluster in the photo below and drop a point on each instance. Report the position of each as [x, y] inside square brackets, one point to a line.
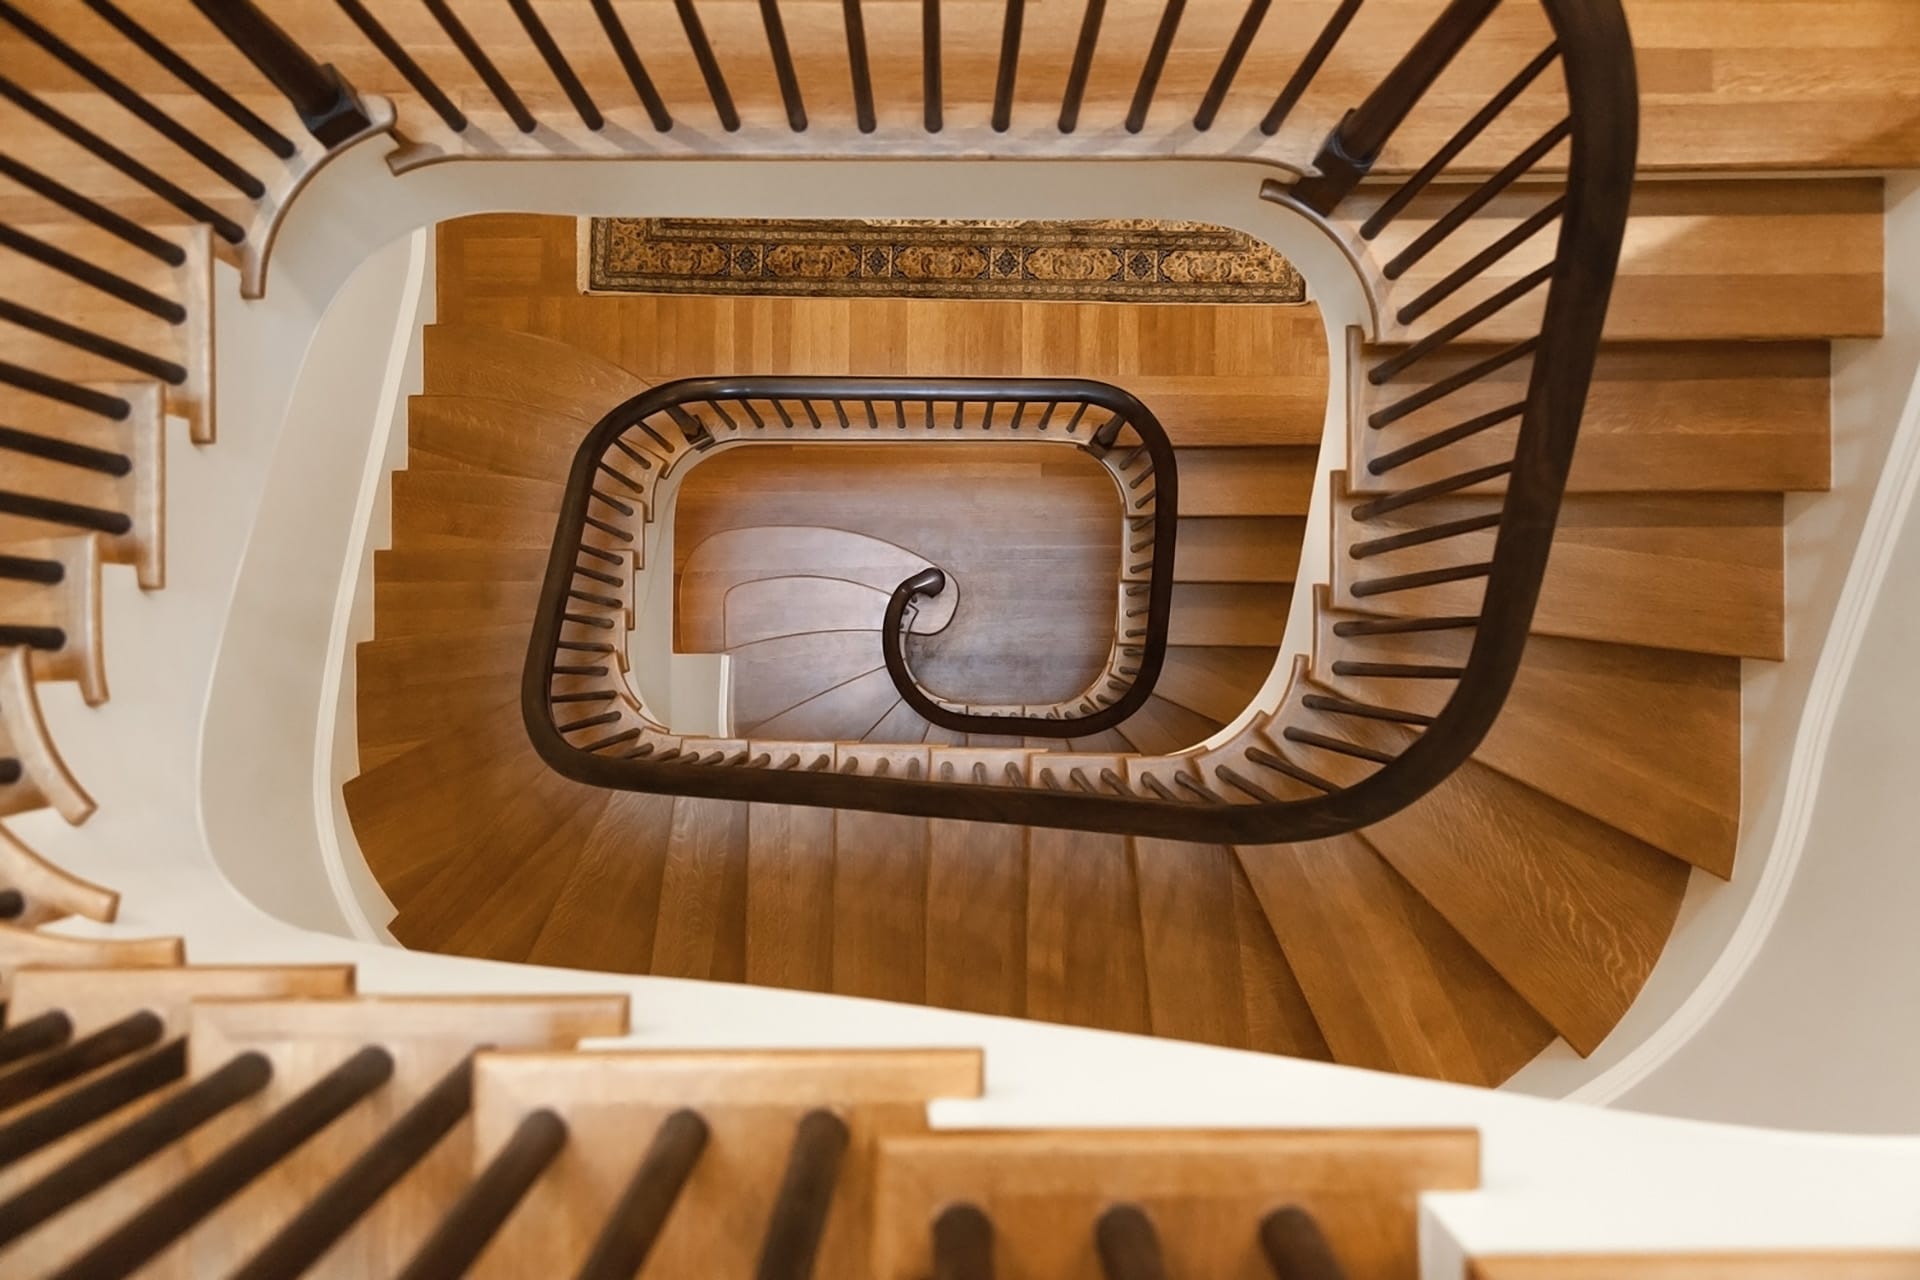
[806, 1195]
[479, 1214]
[641, 1212]
[322, 97]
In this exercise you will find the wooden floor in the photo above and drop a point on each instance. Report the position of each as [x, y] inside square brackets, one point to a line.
[1029, 536]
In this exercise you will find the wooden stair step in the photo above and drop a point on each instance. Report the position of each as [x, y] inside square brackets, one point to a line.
[879, 889]
[702, 920]
[790, 906]
[439, 508]
[424, 1038]
[1214, 410]
[1572, 913]
[616, 875]
[139, 495]
[1701, 572]
[44, 780]
[1086, 957]
[1215, 681]
[976, 892]
[1392, 985]
[613, 1102]
[498, 437]
[782, 673]
[1646, 740]
[22, 949]
[426, 608]
[1238, 549]
[459, 564]
[492, 900]
[471, 763]
[473, 360]
[1191, 942]
[1229, 613]
[70, 606]
[1711, 417]
[1754, 258]
[1044, 1191]
[184, 341]
[1161, 726]
[1265, 481]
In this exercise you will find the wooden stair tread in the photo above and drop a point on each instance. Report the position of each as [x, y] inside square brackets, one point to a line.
[1392, 986]
[473, 360]
[1238, 549]
[1215, 681]
[1697, 572]
[1229, 613]
[71, 605]
[702, 925]
[1575, 726]
[1569, 911]
[1086, 962]
[1686, 416]
[1265, 481]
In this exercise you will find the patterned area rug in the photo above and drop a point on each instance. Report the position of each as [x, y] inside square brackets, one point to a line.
[1114, 261]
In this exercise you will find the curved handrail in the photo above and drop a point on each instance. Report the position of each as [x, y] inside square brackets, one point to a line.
[1592, 45]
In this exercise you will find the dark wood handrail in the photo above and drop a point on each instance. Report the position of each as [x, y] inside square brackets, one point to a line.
[1233, 804]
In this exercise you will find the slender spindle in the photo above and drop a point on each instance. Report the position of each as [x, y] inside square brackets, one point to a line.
[1155, 64]
[96, 344]
[195, 79]
[134, 104]
[174, 1118]
[1082, 65]
[1477, 265]
[1128, 1245]
[13, 903]
[98, 403]
[100, 1096]
[637, 1218]
[37, 1075]
[930, 64]
[481, 1211]
[76, 268]
[709, 65]
[36, 1035]
[188, 1201]
[78, 134]
[562, 70]
[1436, 391]
[806, 1194]
[92, 211]
[962, 1244]
[1230, 61]
[54, 449]
[784, 70]
[1482, 311]
[1295, 1248]
[300, 1243]
[1009, 65]
[402, 61]
[630, 63]
[482, 65]
[857, 65]
[1473, 426]
[1317, 55]
[1456, 217]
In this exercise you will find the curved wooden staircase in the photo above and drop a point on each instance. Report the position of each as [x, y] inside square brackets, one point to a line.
[1524, 898]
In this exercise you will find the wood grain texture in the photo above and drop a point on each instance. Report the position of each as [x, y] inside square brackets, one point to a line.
[1191, 949]
[1085, 958]
[1570, 912]
[1203, 1191]
[703, 893]
[1392, 986]
[976, 916]
[1695, 572]
[1647, 740]
[1710, 417]
[612, 1102]
[605, 915]
[1279, 1019]
[790, 903]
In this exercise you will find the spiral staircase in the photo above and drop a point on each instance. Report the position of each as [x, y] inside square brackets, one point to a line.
[1456, 828]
